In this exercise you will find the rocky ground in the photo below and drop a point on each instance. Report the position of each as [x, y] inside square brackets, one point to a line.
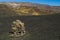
[46, 27]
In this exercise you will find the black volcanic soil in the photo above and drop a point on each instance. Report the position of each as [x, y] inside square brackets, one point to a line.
[38, 27]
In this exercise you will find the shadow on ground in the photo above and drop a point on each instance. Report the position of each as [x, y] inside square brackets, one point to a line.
[38, 27]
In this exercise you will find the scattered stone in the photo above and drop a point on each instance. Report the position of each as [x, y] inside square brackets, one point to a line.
[18, 28]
